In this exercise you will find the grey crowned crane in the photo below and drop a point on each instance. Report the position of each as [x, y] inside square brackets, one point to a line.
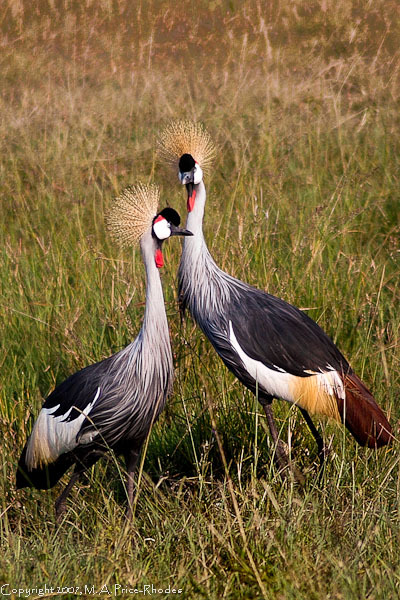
[272, 347]
[113, 403]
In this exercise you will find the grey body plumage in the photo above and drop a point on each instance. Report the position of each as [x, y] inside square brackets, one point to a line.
[272, 347]
[275, 349]
[113, 403]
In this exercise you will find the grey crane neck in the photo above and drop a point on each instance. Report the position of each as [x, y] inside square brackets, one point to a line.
[194, 220]
[155, 318]
[203, 286]
[195, 245]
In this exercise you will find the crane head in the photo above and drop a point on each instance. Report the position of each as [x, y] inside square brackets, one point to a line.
[166, 224]
[134, 216]
[187, 145]
[190, 174]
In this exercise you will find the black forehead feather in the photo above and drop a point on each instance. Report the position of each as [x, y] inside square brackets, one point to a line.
[171, 215]
[186, 163]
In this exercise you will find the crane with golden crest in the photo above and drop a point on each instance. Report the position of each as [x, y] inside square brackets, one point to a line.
[111, 404]
[272, 347]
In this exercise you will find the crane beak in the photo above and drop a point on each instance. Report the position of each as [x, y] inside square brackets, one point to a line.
[179, 231]
[159, 258]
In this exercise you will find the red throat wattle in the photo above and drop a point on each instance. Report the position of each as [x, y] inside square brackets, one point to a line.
[159, 259]
[190, 201]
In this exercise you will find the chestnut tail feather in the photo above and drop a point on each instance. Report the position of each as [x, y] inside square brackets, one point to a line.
[361, 414]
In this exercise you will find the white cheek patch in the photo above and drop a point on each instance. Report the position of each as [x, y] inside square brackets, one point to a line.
[197, 174]
[161, 228]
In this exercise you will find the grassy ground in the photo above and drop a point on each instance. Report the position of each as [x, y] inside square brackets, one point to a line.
[303, 101]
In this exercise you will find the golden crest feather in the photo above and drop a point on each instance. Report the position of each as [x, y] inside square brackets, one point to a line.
[132, 213]
[186, 137]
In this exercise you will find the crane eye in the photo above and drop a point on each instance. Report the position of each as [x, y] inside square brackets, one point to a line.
[186, 177]
[161, 228]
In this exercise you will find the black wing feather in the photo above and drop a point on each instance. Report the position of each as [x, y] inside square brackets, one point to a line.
[77, 391]
[281, 336]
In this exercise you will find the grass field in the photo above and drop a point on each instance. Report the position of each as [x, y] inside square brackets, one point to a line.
[303, 101]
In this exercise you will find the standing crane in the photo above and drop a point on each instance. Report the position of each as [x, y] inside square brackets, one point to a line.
[111, 404]
[272, 347]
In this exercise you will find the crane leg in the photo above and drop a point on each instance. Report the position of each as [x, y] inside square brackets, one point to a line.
[131, 460]
[318, 438]
[82, 464]
[280, 453]
[281, 457]
[60, 503]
